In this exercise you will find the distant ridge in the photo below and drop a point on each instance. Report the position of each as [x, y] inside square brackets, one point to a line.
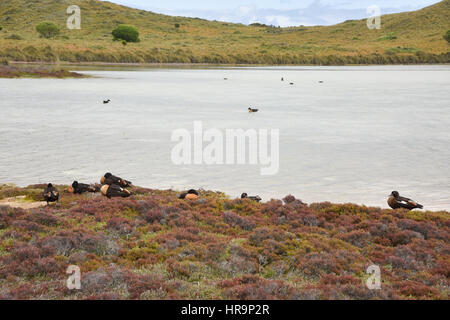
[409, 37]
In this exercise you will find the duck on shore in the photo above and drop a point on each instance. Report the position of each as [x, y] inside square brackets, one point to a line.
[396, 201]
[253, 198]
[51, 194]
[114, 191]
[111, 179]
[190, 195]
[80, 188]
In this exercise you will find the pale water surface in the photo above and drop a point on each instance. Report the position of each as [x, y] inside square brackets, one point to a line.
[361, 134]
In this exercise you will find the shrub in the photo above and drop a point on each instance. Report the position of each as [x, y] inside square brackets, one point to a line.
[97, 282]
[43, 218]
[177, 25]
[235, 220]
[256, 288]
[446, 36]
[121, 225]
[47, 30]
[4, 61]
[126, 33]
[14, 37]
[388, 36]
[357, 238]
[1, 28]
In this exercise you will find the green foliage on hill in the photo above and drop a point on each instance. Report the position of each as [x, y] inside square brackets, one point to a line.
[47, 29]
[126, 33]
[201, 41]
[447, 36]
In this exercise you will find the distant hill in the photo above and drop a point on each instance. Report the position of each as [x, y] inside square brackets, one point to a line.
[410, 37]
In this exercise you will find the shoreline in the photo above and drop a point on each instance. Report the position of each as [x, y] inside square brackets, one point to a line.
[31, 194]
[8, 71]
[219, 248]
[220, 65]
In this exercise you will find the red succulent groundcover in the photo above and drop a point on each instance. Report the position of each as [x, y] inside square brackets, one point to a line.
[155, 246]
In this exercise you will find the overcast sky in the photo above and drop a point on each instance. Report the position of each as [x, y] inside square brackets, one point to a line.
[277, 12]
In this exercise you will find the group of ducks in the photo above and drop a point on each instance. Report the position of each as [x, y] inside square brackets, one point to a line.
[395, 201]
[251, 110]
[115, 187]
[111, 186]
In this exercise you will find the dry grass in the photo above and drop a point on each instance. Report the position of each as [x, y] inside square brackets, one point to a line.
[412, 37]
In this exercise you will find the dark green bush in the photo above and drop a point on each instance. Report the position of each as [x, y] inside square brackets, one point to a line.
[47, 29]
[127, 33]
[446, 36]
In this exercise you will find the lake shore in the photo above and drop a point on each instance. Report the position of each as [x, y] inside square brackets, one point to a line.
[13, 71]
[155, 246]
[207, 65]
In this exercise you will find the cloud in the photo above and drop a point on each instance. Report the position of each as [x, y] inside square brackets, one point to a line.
[291, 13]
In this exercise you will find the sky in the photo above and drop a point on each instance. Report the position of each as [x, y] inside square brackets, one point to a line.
[282, 13]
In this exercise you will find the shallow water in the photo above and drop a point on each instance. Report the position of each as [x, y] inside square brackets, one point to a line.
[361, 134]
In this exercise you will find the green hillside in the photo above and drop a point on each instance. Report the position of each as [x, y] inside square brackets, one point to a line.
[411, 37]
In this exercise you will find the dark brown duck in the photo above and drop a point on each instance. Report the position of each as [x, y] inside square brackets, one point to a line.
[115, 191]
[253, 198]
[110, 179]
[80, 188]
[396, 201]
[51, 194]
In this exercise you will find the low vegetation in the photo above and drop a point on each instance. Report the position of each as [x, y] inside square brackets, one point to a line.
[48, 30]
[11, 71]
[447, 36]
[154, 246]
[166, 39]
[126, 33]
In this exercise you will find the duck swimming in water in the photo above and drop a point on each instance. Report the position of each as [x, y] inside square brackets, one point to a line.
[51, 194]
[106, 101]
[111, 179]
[395, 201]
[190, 195]
[255, 198]
[114, 191]
[250, 110]
[80, 188]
